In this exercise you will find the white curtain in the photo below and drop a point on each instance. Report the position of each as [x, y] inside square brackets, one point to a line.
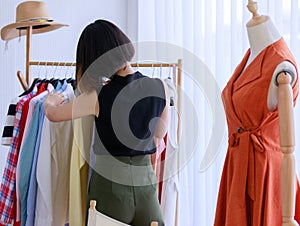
[215, 32]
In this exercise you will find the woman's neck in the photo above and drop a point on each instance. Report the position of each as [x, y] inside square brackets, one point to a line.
[260, 36]
[125, 70]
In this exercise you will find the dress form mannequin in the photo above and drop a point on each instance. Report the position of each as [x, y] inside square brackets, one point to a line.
[261, 33]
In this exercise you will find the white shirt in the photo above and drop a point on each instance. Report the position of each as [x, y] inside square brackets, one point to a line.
[170, 185]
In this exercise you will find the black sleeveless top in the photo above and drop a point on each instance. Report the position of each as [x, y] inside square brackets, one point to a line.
[130, 107]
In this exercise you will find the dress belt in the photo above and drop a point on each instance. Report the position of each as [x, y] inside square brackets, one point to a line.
[247, 141]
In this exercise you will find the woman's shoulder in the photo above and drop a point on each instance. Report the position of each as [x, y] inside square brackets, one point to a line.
[153, 81]
[148, 77]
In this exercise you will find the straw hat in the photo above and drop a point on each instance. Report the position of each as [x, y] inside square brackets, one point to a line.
[30, 13]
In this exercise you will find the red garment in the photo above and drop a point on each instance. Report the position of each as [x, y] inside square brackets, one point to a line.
[160, 174]
[8, 183]
[25, 109]
[158, 163]
[249, 192]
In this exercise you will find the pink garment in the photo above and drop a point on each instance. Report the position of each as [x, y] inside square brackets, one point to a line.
[33, 101]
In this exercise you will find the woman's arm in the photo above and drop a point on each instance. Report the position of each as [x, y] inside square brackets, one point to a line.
[83, 105]
[162, 126]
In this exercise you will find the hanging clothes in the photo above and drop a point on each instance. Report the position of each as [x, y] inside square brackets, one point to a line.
[8, 184]
[170, 187]
[159, 157]
[61, 136]
[249, 192]
[82, 143]
[30, 104]
[43, 174]
[26, 158]
[8, 129]
[24, 154]
[32, 192]
[158, 161]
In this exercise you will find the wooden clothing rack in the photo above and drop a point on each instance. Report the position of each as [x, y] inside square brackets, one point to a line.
[28, 63]
[25, 82]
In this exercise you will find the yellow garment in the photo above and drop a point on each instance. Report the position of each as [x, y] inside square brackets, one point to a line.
[83, 129]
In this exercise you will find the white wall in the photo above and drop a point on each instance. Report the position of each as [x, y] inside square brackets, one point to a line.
[58, 45]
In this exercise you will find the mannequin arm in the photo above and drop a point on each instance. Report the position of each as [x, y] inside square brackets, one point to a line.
[287, 143]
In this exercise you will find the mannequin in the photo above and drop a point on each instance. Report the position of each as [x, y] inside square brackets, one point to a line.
[258, 180]
[262, 33]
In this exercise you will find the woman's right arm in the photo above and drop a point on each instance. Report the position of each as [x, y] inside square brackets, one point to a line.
[83, 105]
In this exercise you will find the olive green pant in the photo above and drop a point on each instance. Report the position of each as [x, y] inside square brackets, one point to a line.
[125, 189]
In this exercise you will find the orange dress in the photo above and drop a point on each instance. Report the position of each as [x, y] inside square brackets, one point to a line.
[249, 193]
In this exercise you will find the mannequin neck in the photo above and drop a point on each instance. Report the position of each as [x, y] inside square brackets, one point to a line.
[261, 36]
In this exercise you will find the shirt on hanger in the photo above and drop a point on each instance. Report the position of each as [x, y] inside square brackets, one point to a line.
[43, 210]
[83, 130]
[169, 203]
[61, 136]
[8, 128]
[30, 106]
[8, 184]
[31, 199]
[26, 159]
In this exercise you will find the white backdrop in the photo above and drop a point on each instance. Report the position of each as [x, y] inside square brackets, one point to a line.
[212, 30]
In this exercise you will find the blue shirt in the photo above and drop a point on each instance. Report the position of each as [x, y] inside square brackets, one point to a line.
[31, 199]
[26, 158]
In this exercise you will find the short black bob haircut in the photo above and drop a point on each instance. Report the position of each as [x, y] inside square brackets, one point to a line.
[102, 49]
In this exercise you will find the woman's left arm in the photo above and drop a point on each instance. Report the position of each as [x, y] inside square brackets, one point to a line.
[162, 126]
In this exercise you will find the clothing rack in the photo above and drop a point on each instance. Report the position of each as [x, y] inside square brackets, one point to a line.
[24, 83]
[28, 63]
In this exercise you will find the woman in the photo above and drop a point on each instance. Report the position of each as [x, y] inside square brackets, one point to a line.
[126, 110]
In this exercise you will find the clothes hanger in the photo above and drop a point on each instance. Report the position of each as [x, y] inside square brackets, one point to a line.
[153, 70]
[171, 66]
[33, 84]
[54, 70]
[35, 81]
[71, 80]
[169, 74]
[42, 81]
[52, 77]
[63, 79]
[160, 71]
[54, 81]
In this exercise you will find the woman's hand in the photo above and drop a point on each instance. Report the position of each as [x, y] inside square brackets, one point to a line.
[54, 99]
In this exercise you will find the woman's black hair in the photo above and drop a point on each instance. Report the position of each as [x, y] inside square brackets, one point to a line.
[101, 50]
